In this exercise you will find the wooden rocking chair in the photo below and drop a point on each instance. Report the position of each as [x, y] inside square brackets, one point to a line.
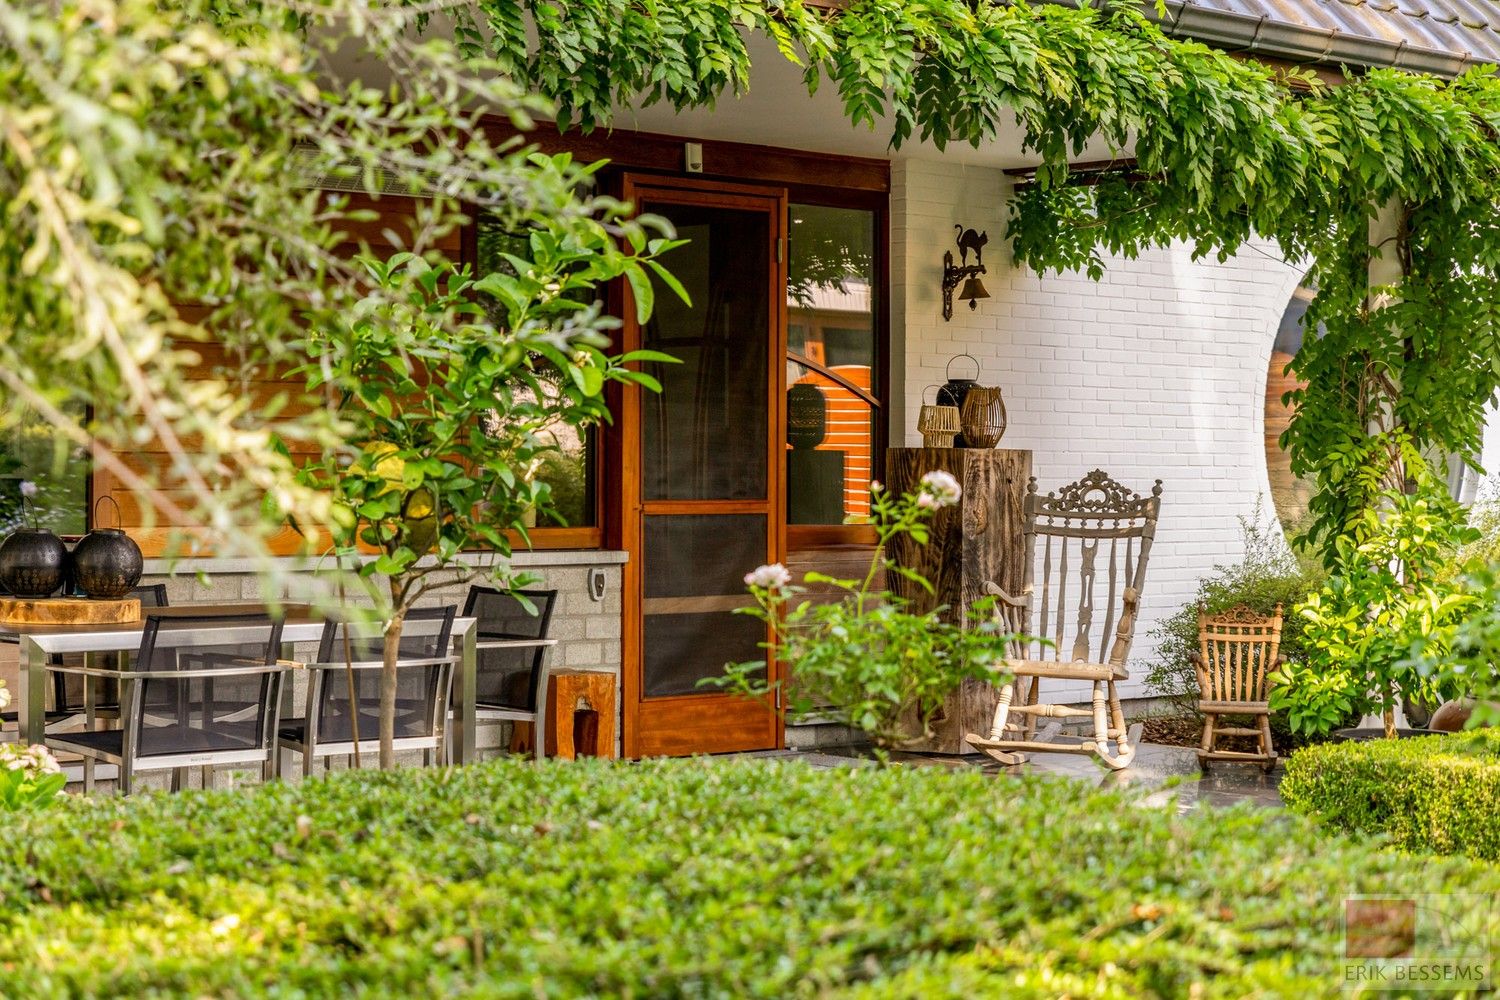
[1094, 535]
[1238, 650]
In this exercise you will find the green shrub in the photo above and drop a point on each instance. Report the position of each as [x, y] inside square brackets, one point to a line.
[681, 878]
[1437, 794]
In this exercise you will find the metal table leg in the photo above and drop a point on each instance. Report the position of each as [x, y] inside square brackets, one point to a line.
[463, 715]
[32, 708]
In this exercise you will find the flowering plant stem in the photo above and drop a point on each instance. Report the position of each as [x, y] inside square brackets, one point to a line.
[858, 654]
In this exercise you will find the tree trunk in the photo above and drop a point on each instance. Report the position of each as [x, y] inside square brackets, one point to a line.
[388, 684]
[1390, 721]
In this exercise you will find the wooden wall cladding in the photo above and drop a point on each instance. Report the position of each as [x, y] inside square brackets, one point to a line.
[390, 232]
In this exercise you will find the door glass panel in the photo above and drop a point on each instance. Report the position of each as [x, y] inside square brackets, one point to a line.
[830, 364]
[704, 434]
[694, 569]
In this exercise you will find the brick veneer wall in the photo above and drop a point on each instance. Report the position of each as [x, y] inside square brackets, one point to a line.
[1156, 371]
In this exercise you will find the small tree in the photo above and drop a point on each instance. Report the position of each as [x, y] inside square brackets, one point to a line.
[447, 401]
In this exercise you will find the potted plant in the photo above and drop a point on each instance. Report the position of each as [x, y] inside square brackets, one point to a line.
[864, 658]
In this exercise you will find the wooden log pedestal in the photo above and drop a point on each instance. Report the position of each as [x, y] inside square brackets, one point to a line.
[68, 611]
[977, 541]
[581, 711]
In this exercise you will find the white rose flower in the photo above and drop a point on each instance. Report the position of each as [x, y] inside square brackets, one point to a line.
[939, 489]
[770, 577]
[28, 488]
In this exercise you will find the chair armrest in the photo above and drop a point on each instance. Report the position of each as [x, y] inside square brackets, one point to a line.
[995, 590]
[82, 671]
[435, 661]
[209, 660]
[1196, 659]
[514, 643]
[243, 670]
[1125, 629]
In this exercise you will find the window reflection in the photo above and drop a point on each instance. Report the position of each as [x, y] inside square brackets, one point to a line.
[831, 349]
[31, 451]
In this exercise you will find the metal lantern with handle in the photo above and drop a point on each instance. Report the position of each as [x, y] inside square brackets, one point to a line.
[937, 423]
[107, 563]
[953, 392]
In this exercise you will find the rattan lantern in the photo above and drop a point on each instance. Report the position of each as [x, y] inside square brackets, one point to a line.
[937, 423]
[983, 417]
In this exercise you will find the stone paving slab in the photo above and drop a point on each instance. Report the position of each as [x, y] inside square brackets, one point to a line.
[1162, 773]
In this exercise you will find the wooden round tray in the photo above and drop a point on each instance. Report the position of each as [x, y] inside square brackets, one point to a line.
[68, 611]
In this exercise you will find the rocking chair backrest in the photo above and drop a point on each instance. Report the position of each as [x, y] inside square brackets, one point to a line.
[1238, 651]
[1086, 552]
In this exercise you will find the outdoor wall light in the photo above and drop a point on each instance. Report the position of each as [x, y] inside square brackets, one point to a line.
[963, 271]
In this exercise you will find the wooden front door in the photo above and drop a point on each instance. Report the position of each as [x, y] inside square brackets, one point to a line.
[702, 468]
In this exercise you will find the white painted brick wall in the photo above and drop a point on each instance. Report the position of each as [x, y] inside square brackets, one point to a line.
[1155, 371]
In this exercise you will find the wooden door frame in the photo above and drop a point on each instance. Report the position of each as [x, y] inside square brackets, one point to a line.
[631, 506]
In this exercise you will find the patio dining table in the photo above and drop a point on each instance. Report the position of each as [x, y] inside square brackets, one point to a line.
[303, 625]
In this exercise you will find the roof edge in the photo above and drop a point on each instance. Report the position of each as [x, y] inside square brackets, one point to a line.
[1295, 42]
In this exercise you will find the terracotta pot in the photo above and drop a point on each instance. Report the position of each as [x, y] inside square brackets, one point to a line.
[1451, 716]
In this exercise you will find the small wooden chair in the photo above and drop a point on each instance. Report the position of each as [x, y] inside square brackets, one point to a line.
[1238, 650]
[1092, 540]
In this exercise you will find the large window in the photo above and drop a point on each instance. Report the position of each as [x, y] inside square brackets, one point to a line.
[31, 451]
[833, 406]
[571, 468]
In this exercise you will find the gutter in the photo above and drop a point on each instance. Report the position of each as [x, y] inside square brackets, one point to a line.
[1295, 42]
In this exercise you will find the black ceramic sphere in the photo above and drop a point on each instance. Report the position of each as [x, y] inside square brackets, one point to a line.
[32, 563]
[107, 564]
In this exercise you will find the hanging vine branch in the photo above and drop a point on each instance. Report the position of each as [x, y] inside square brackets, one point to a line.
[1224, 148]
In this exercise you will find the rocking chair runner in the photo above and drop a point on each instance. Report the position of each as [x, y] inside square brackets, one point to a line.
[1238, 650]
[1094, 538]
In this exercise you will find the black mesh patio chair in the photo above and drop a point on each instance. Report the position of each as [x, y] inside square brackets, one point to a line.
[350, 654]
[510, 670]
[204, 690]
[78, 698]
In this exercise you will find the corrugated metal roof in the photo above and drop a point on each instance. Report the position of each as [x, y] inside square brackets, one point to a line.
[1466, 31]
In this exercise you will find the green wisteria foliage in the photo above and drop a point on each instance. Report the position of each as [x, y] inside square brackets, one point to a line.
[165, 216]
[1224, 150]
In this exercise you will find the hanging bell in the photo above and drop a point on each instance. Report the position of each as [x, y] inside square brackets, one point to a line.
[973, 289]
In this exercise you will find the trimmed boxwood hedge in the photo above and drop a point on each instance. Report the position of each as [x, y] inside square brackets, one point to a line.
[683, 878]
[1437, 794]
